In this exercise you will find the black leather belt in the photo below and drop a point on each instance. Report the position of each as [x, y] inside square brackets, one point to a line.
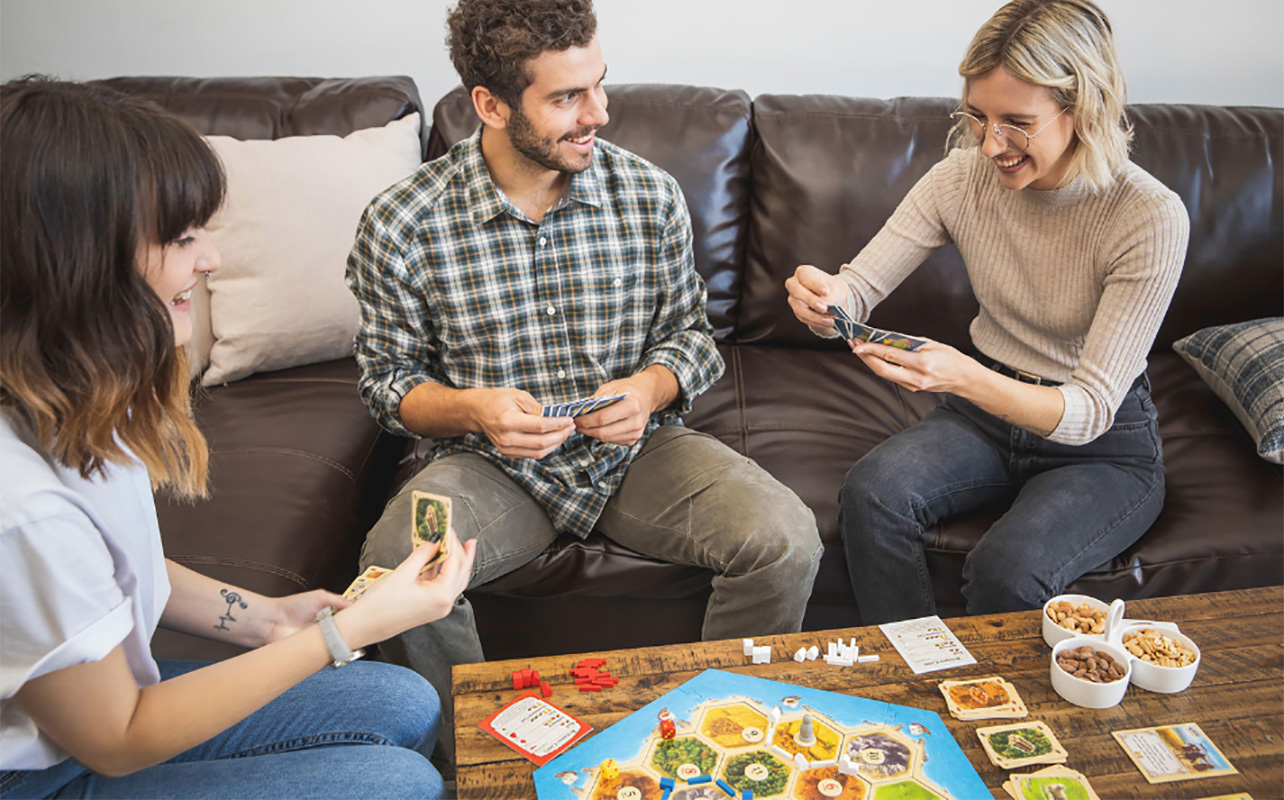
[1018, 374]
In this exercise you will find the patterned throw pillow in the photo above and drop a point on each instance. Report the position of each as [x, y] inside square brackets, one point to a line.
[1244, 365]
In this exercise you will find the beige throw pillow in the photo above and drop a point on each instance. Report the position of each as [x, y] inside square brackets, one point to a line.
[284, 232]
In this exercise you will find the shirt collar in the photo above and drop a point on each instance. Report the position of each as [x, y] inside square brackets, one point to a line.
[486, 201]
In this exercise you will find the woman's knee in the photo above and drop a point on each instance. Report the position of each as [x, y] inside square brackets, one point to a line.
[995, 581]
[408, 707]
[386, 772]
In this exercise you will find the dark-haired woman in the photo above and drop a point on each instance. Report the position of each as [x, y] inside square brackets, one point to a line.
[103, 199]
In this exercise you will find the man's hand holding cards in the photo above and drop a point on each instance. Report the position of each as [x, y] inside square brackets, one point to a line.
[428, 525]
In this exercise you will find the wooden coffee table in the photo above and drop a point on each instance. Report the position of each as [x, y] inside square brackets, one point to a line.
[1237, 697]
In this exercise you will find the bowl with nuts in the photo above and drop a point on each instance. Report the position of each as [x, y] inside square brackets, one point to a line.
[1090, 672]
[1068, 615]
[1162, 660]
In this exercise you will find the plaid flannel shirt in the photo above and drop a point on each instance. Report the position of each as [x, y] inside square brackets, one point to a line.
[458, 286]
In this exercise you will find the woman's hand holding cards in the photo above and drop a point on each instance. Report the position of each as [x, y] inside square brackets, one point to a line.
[931, 367]
[811, 291]
[403, 599]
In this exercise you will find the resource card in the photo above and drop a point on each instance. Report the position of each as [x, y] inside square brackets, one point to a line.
[364, 581]
[1173, 753]
[850, 329]
[535, 728]
[983, 698]
[926, 644]
[1055, 781]
[1021, 745]
[429, 523]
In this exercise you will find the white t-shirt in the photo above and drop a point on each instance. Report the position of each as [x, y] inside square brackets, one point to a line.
[81, 571]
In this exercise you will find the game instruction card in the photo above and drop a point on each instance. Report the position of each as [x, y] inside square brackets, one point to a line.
[535, 728]
[926, 644]
[1173, 753]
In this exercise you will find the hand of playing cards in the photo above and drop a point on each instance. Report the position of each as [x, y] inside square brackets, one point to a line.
[850, 329]
[578, 408]
[429, 522]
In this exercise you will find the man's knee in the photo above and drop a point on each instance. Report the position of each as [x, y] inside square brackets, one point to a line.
[773, 525]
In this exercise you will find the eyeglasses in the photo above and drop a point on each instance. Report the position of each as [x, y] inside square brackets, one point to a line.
[1008, 134]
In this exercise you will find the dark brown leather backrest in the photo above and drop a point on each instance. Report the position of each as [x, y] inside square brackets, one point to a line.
[700, 136]
[273, 108]
[828, 171]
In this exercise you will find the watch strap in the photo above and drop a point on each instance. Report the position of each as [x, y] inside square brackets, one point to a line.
[339, 650]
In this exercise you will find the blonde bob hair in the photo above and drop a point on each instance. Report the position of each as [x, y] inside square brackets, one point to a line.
[1067, 46]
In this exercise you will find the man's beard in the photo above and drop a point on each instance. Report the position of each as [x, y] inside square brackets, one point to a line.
[541, 150]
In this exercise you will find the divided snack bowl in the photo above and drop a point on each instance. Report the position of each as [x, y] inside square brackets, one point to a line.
[1154, 677]
[1053, 633]
[1086, 693]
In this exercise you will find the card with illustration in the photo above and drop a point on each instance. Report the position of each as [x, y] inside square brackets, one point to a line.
[983, 698]
[1173, 753]
[364, 581]
[430, 521]
[1021, 744]
[849, 329]
[1051, 782]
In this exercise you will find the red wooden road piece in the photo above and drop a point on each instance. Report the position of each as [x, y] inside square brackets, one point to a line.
[545, 689]
[590, 687]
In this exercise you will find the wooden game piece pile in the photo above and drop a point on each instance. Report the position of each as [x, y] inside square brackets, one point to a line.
[1088, 664]
[590, 677]
[529, 679]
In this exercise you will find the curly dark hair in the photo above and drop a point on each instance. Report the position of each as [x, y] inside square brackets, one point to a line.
[491, 41]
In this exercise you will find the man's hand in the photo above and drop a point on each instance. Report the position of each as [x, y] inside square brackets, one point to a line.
[624, 422]
[511, 419]
[811, 292]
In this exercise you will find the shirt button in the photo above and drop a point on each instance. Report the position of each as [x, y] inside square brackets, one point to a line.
[619, 282]
[551, 311]
[542, 241]
[561, 373]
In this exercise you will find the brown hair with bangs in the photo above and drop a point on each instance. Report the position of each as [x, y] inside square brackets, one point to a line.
[91, 177]
[491, 41]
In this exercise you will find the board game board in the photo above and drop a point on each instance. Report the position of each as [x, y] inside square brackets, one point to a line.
[742, 730]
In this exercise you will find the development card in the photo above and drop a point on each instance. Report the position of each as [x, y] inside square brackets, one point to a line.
[1173, 753]
[578, 408]
[364, 581]
[983, 698]
[1055, 781]
[535, 728]
[1020, 745]
[431, 520]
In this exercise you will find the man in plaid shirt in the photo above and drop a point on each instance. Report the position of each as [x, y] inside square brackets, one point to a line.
[532, 265]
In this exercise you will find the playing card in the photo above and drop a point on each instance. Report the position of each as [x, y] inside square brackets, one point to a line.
[364, 581]
[1054, 781]
[430, 521]
[983, 698]
[850, 329]
[1173, 753]
[578, 408]
[1021, 745]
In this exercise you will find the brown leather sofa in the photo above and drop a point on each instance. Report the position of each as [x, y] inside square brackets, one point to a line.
[300, 471]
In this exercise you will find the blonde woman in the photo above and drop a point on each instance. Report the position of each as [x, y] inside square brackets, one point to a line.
[103, 199]
[1074, 253]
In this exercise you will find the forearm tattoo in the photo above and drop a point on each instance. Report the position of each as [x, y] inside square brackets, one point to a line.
[233, 599]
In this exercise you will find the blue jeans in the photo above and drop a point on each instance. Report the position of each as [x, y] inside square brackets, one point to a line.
[1072, 508]
[355, 732]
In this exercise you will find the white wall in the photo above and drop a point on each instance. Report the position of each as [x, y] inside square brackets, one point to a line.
[1187, 51]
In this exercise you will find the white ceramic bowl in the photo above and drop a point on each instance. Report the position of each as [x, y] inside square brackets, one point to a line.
[1054, 633]
[1156, 678]
[1086, 693]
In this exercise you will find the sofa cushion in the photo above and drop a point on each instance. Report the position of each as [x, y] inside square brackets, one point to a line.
[1244, 366]
[700, 136]
[284, 231]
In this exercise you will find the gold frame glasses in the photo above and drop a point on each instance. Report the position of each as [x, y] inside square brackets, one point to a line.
[1002, 132]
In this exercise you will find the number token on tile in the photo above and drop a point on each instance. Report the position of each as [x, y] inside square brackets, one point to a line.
[752, 735]
[688, 771]
[629, 793]
[756, 772]
[829, 787]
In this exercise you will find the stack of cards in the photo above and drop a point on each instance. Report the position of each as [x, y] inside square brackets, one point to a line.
[1173, 753]
[578, 408]
[430, 521]
[850, 329]
[983, 698]
[364, 581]
[1021, 744]
[1056, 781]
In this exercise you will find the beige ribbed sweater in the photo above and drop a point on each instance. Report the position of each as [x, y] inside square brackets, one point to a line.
[1072, 284]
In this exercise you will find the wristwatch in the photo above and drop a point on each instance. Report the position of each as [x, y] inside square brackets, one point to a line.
[339, 649]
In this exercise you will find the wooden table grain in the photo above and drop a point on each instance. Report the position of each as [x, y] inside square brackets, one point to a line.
[1237, 697]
